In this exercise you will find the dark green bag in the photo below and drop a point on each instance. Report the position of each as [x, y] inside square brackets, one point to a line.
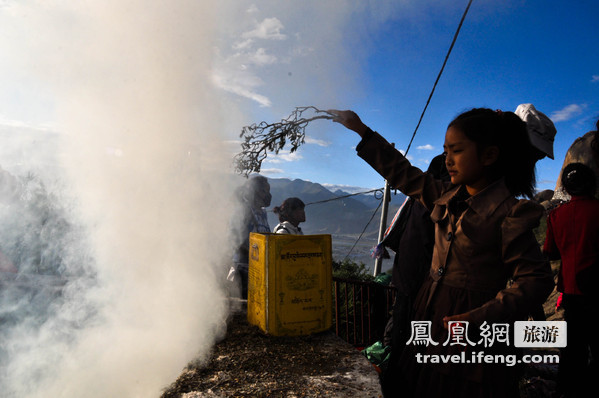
[378, 354]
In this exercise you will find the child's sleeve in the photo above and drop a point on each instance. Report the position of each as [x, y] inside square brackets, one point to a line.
[397, 170]
[530, 271]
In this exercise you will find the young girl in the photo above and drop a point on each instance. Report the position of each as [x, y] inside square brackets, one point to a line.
[291, 213]
[483, 239]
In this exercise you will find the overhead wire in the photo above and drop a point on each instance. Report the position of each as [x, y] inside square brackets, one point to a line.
[345, 196]
[379, 190]
[413, 134]
[364, 230]
[455, 37]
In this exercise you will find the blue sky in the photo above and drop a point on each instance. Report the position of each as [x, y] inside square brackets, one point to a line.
[378, 58]
[507, 53]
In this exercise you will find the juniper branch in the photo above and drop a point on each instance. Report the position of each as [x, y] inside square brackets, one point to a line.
[261, 138]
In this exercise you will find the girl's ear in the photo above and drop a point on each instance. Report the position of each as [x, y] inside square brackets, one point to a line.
[490, 155]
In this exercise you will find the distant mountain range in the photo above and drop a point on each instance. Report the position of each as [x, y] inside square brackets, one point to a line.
[343, 218]
[327, 213]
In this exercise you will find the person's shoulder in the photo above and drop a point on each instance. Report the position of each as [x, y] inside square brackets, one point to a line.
[591, 200]
[585, 202]
[525, 213]
[524, 207]
[590, 205]
[522, 219]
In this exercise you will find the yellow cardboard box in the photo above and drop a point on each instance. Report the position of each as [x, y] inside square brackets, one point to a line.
[289, 283]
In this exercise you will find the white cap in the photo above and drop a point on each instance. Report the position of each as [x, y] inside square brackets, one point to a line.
[541, 130]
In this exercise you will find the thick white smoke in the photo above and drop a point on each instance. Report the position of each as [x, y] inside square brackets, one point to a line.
[129, 191]
[140, 143]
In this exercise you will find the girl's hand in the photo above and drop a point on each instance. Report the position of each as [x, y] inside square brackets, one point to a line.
[455, 318]
[350, 120]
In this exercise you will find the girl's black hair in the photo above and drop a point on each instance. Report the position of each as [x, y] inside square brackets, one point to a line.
[287, 207]
[579, 180]
[507, 131]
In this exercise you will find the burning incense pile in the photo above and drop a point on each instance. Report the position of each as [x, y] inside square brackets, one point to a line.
[272, 137]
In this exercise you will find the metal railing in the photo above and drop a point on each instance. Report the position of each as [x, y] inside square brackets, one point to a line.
[362, 310]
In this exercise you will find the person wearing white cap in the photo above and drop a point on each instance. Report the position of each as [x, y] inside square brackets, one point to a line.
[541, 132]
[541, 129]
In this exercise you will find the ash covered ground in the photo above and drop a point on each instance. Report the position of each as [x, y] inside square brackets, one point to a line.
[248, 363]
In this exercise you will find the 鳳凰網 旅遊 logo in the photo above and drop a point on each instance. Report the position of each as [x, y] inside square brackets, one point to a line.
[540, 334]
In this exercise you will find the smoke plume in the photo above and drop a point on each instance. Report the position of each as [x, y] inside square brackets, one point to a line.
[136, 182]
[116, 190]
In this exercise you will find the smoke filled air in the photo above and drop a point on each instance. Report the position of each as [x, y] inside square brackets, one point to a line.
[118, 221]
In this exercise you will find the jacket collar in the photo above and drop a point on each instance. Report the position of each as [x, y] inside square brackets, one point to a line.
[292, 229]
[483, 203]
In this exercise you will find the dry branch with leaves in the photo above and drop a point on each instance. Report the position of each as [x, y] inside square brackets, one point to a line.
[262, 138]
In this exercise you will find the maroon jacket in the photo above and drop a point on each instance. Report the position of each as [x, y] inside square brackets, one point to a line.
[573, 236]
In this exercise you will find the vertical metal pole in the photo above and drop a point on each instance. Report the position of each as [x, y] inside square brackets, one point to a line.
[383, 226]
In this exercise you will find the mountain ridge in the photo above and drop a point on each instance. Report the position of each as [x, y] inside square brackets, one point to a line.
[328, 212]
